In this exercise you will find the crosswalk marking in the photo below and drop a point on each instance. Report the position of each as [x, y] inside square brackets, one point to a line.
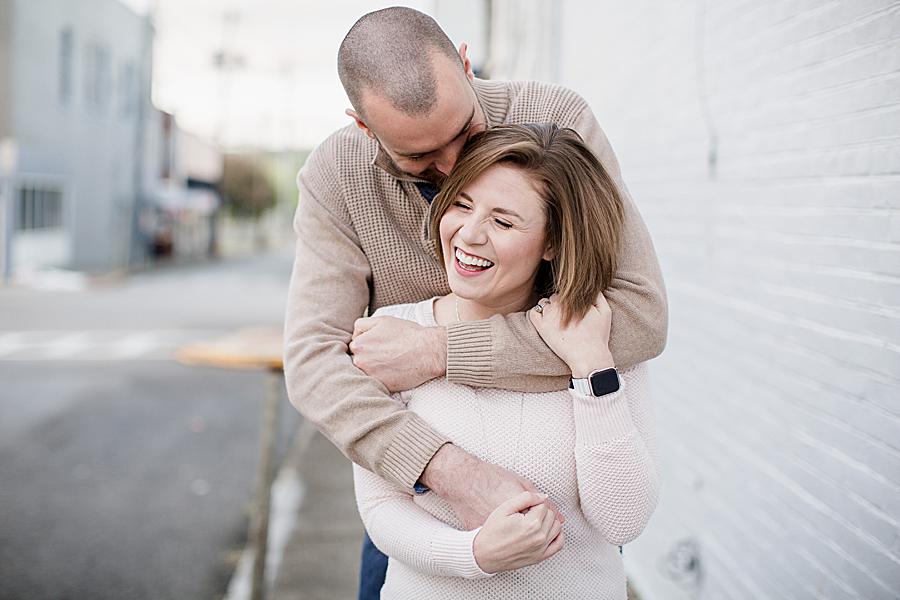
[137, 344]
[98, 345]
[68, 346]
[10, 342]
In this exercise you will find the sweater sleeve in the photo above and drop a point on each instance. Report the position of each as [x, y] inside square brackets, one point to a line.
[408, 533]
[616, 459]
[329, 290]
[506, 352]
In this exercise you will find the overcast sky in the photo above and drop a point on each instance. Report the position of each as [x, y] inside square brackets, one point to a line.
[285, 94]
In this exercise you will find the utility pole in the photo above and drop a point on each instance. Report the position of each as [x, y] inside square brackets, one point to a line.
[137, 247]
[8, 160]
[226, 63]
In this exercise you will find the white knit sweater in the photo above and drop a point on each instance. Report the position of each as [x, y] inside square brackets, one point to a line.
[595, 457]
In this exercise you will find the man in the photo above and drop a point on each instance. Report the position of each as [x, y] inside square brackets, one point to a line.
[362, 243]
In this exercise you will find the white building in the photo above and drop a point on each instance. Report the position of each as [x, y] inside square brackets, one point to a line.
[761, 142]
[74, 98]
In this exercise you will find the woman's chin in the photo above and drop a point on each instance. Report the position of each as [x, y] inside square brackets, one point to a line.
[465, 292]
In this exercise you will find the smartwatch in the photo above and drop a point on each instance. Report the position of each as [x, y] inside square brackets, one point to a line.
[597, 384]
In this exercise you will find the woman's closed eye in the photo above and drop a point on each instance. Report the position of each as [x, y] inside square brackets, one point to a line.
[503, 224]
[462, 205]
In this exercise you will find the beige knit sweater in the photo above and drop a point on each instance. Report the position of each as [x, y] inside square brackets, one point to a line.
[362, 243]
[595, 457]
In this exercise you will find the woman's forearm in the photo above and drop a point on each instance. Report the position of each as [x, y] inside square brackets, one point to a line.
[618, 478]
[408, 533]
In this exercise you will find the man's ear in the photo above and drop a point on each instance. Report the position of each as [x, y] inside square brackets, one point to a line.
[467, 64]
[359, 122]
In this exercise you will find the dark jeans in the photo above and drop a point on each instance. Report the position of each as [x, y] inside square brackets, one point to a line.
[371, 571]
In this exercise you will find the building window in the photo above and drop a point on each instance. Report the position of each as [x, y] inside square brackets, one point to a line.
[66, 44]
[97, 76]
[39, 206]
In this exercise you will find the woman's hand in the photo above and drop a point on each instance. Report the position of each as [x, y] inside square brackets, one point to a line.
[511, 539]
[584, 343]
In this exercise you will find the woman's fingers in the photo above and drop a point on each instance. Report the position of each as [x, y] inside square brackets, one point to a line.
[521, 502]
[602, 304]
[555, 546]
[548, 521]
[555, 528]
[536, 514]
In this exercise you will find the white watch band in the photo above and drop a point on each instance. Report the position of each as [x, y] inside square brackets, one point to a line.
[582, 386]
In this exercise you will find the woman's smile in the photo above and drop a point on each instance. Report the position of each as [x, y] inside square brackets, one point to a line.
[468, 264]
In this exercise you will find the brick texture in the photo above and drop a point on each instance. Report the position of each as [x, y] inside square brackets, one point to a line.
[761, 141]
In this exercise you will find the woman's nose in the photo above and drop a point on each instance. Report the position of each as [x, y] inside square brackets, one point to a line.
[472, 231]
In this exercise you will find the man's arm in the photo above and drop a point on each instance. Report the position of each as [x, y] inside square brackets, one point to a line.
[506, 352]
[329, 290]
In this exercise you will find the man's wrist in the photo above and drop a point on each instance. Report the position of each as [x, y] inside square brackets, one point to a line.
[446, 462]
[437, 350]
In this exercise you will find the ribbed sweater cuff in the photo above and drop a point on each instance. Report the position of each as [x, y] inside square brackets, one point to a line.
[469, 353]
[454, 551]
[600, 420]
[409, 452]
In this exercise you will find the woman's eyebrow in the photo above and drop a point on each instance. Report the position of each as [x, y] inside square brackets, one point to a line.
[499, 209]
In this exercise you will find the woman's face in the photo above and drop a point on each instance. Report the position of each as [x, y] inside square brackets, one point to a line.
[493, 237]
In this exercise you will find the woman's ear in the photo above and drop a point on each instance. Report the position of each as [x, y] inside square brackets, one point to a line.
[549, 253]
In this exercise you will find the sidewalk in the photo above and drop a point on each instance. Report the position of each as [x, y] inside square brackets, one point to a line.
[321, 557]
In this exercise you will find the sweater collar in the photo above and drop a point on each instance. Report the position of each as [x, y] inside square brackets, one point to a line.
[493, 99]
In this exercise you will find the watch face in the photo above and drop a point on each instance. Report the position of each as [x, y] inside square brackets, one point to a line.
[604, 382]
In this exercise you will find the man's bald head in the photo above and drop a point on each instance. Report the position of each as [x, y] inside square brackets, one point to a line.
[390, 52]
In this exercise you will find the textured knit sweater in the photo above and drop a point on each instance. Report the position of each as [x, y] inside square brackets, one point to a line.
[595, 457]
[362, 243]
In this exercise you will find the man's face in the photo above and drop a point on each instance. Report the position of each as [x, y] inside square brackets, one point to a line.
[428, 146]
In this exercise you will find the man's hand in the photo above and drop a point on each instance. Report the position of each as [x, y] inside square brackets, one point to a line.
[399, 353]
[472, 487]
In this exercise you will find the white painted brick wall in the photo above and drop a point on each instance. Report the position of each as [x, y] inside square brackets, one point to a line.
[778, 397]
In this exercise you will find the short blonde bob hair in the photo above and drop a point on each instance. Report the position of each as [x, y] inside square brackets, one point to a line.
[582, 203]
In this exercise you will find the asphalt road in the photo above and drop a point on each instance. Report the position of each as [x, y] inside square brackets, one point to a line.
[122, 473]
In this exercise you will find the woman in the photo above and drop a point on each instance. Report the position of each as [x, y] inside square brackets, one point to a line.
[527, 212]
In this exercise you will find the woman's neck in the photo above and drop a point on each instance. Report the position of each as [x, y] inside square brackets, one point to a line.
[451, 308]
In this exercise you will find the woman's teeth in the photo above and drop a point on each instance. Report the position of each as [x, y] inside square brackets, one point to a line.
[471, 262]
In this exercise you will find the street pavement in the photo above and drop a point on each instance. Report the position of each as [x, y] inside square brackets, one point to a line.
[124, 474]
[321, 554]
